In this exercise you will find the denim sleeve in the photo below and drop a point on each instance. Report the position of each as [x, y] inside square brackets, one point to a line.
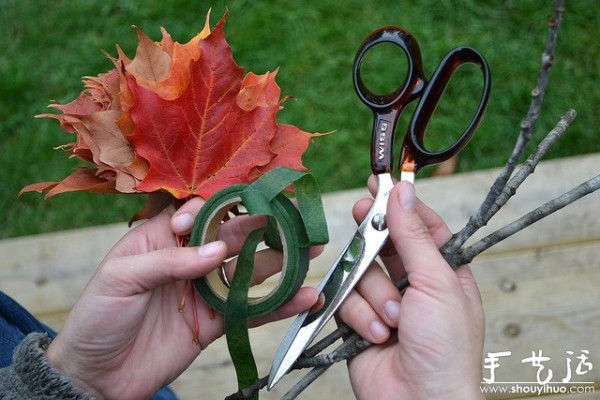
[32, 377]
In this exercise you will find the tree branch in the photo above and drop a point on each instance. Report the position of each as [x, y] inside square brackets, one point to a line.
[482, 216]
[468, 254]
[529, 166]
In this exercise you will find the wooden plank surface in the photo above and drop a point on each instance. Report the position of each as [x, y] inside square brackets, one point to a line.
[540, 288]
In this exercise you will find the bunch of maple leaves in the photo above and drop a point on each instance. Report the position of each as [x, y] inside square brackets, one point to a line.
[176, 121]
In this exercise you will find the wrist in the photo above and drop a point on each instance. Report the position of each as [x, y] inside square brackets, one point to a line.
[62, 362]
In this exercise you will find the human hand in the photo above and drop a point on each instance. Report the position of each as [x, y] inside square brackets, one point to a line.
[125, 338]
[437, 348]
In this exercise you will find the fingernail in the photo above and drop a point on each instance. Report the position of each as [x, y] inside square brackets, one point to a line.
[211, 249]
[407, 197]
[183, 222]
[392, 310]
[379, 330]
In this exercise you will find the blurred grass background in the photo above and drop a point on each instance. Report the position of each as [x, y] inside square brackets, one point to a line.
[46, 47]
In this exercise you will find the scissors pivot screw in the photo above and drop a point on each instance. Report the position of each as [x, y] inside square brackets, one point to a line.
[378, 222]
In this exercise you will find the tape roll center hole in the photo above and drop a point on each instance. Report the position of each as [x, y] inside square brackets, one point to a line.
[267, 270]
[268, 263]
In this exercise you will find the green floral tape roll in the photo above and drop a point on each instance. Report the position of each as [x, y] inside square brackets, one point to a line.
[290, 229]
[295, 265]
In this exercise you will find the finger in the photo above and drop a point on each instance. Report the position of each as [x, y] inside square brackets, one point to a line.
[469, 285]
[381, 294]
[266, 264]
[372, 184]
[358, 314]
[235, 231]
[436, 226]
[472, 296]
[315, 251]
[304, 299]
[413, 241]
[144, 272]
[388, 253]
[182, 220]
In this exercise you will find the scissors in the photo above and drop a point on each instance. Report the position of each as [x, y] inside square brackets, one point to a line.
[372, 233]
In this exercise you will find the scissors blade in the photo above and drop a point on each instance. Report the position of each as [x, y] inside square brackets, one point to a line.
[337, 284]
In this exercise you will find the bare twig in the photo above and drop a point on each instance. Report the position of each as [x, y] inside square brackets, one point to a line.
[589, 186]
[529, 166]
[248, 392]
[482, 216]
[342, 331]
[320, 364]
[350, 347]
[303, 383]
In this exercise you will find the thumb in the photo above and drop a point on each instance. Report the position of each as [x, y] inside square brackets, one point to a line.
[143, 272]
[411, 237]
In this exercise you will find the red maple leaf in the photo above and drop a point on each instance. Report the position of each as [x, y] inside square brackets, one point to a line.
[216, 133]
[177, 118]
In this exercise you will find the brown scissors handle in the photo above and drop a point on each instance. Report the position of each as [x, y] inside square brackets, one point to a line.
[414, 153]
[387, 108]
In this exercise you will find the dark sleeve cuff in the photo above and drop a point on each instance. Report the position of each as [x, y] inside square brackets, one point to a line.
[32, 377]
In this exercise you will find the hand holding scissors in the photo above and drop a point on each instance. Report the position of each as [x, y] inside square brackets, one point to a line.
[372, 233]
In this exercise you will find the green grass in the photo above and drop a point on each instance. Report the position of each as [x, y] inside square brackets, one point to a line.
[48, 46]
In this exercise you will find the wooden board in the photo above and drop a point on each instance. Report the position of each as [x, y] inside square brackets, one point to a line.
[540, 287]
